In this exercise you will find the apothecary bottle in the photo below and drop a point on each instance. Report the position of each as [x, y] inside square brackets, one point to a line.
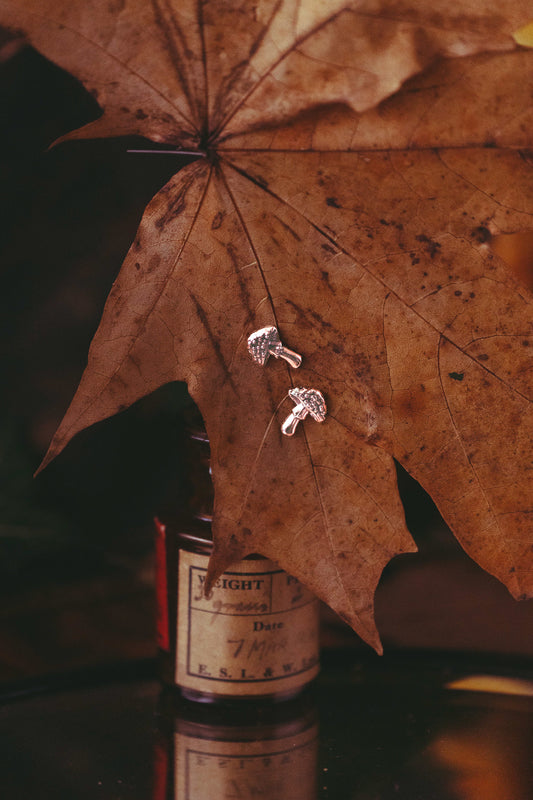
[255, 636]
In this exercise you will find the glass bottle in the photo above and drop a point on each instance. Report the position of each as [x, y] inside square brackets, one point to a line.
[256, 634]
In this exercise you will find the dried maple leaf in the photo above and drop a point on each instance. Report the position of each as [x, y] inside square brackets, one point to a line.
[350, 204]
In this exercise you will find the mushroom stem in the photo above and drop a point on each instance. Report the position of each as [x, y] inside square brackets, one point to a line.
[288, 355]
[291, 423]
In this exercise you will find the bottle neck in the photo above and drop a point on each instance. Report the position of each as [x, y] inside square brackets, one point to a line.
[188, 506]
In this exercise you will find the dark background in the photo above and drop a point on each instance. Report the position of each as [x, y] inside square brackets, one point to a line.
[76, 569]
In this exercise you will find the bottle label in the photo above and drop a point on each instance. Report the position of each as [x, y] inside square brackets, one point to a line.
[256, 633]
[271, 769]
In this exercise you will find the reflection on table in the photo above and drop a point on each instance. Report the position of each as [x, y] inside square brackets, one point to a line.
[238, 753]
[404, 727]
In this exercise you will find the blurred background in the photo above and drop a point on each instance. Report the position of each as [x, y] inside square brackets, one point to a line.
[76, 564]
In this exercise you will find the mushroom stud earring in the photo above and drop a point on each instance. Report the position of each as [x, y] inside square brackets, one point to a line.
[266, 342]
[308, 401]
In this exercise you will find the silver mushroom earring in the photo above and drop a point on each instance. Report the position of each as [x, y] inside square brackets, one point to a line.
[308, 401]
[266, 342]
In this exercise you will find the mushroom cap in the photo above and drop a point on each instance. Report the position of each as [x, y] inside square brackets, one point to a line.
[312, 400]
[259, 343]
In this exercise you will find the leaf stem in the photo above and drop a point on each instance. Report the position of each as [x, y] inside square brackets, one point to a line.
[171, 152]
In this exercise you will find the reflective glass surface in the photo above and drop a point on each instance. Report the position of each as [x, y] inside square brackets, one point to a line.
[404, 727]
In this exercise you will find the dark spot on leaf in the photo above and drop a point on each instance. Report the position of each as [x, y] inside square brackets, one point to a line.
[384, 222]
[525, 343]
[325, 278]
[332, 201]
[137, 265]
[341, 555]
[328, 248]
[246, 532]
[472, 294]
[217, 220]
[483, 357]
[481, 234]
[458, 293]
[320, 320]
[304, 314]
[457, 376]
[175, 207]
[431, 246]
[140, 114]
[153, 263]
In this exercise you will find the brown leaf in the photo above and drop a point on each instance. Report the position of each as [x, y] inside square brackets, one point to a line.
[356, 224]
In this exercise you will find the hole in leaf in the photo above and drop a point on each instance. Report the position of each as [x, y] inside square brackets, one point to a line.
[516, 249]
